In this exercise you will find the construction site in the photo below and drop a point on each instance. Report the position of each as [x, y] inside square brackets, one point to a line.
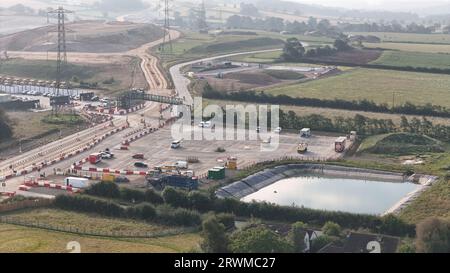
[94, 108]
[129, 122]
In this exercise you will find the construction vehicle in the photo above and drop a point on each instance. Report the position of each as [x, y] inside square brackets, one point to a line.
[95, 158]
[107, 177]
[305, 132]
[231, 163]
[339, 144]
[160, 181]
[302, 148]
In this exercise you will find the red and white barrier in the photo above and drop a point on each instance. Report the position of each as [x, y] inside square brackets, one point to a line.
[47, 184]
[75, 168]
[54, 161]
[140, 135]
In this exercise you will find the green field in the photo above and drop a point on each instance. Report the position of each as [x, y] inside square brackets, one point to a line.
[380, 86]
[23, 239]
[414, 59]
[45, 70]
[426, 48]
[81, 221]
[17, 239]
[332, 113]
[408, 37]
[265, 57]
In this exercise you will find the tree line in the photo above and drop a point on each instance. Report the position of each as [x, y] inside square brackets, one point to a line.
[323, 27]
[163, 214]
[207, 202]
[294, 51]
[6, 130]
[361, 105]
[255, 237]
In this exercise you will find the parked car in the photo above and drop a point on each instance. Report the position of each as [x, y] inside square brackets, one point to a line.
[138, 156]
[140, 165]
[107, 155]
[278, 130]
[122, 179]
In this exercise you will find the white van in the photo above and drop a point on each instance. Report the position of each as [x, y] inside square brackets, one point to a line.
[175, 144]
[76, 182]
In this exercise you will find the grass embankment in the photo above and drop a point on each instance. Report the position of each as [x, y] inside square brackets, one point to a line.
[434, 202]
[117, 76]
[400, 144]
[63, 119]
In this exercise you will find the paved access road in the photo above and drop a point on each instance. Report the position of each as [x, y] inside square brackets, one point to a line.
[181, 82]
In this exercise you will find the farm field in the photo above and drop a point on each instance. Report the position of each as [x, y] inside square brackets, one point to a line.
[17, 239]
[193, 45]
[265, 57]
[332, 113]
[408, 37]
[380, 86]
[426, 48]
[414, 59]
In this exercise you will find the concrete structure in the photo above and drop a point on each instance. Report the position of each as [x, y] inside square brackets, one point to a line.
[5, 97]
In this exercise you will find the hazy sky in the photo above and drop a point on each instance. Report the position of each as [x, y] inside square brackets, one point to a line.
[405, 5]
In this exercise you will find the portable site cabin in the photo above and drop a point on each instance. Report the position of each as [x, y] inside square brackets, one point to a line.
[305, 132]
[339, 144]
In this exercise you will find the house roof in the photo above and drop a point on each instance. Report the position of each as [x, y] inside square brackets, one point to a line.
[359, 243]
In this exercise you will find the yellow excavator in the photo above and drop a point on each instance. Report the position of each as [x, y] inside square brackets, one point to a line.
[302, 148]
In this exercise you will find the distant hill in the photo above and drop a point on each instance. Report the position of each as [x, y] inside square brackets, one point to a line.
[84, 36]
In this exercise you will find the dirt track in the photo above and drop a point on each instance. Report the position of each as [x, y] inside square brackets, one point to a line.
[149, 64]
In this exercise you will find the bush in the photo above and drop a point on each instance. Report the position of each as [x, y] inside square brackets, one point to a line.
[146, 211]
[332, 229]
[104, 189]
[152, 197]
[200, 201]
[215, 239]
[433, 236]
[130, 195]
[177, 216]
[297, 236]
[258, 240]
[175, 197]
[320, 242]
[89, 204]
[393, 225]
[227, 219]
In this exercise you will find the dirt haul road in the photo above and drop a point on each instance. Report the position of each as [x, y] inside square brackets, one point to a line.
[149, 63]
[157, 83]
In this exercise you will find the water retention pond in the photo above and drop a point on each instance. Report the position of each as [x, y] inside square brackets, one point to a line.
[332, 188]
